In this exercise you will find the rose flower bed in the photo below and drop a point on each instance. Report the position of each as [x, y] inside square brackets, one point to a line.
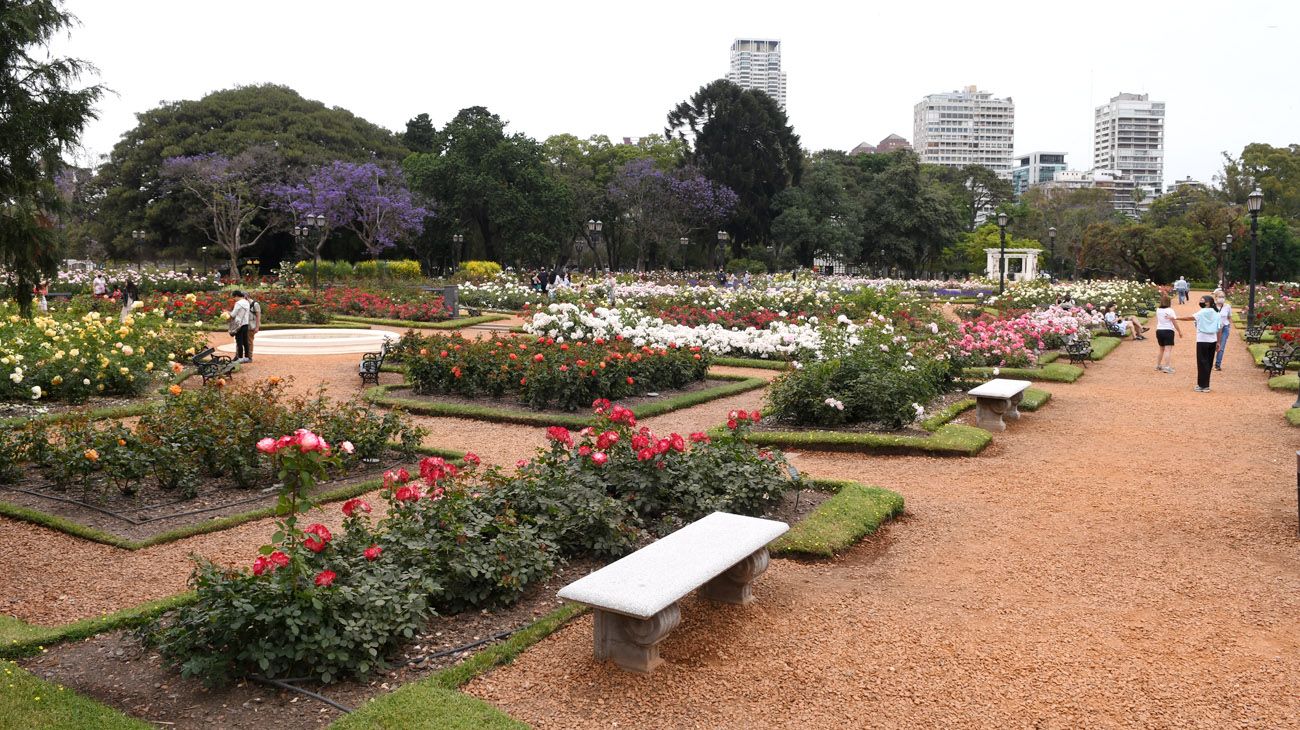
[195, 444]
[543, 373]
[315, 603]
[63, 356]
[362, 303]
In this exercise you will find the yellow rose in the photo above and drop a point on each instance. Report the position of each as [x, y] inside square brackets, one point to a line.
[56, 380]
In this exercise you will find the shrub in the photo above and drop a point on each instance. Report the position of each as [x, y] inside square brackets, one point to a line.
[863, 386]
[360, 302]
[740, 266]
[479, 271]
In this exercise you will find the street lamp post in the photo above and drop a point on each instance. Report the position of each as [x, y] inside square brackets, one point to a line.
[1051, 251]
[204, 251]
[456, 240]
[299, 237]
[594, 229]
[723, 237]
[1002, 257]
[318, 222]
[1254, 202]
[138, 237]
[1223, 262]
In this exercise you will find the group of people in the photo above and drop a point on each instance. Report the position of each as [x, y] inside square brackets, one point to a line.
[127, 292]
[550, 282]
[1213, 327]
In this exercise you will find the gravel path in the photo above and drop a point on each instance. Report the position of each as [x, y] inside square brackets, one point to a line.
[1125, 557]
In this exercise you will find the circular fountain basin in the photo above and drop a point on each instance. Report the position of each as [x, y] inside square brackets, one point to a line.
[317, 342]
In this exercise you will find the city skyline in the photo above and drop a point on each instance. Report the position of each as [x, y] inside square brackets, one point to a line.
[593, 83]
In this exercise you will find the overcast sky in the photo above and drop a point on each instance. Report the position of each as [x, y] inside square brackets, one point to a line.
[1225, 70]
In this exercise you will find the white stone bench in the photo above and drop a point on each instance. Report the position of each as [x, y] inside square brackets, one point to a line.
[635, 598]
[998, 399]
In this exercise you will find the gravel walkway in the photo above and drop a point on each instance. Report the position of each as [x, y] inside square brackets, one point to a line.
[1125, 557]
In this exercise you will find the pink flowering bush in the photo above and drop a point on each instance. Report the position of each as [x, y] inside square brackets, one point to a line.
[1013, 342]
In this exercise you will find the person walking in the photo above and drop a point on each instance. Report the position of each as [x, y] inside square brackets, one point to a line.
[1207, 340]
[99, 285]
[254, 324]
[1183, 288]
[1166, 327]
[130, 294]
[39, 291]
[1225, 326]
[238, 326]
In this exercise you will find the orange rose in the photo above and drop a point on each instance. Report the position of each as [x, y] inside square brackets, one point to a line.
[174, 390]
[92, 455]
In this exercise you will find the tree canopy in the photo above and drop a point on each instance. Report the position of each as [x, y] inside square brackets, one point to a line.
[41, 118]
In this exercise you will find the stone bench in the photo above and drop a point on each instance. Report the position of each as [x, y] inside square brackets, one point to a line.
[998, 399]
[635, 598]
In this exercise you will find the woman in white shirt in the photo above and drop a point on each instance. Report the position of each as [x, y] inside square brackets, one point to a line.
[1225, 326]
[1166, 326]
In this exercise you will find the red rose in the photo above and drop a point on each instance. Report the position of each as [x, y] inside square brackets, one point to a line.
[584, 450]
[599, 458]
[560, 434]
[663, 445]
[408, 494]
[352, 505]
[472, 458]
[731, 424]
[677, 442]
[319, 537]
[630, 380]
[373, 552]
[755, 416]
[538, 357]
[279, 559]
[645, 455]
[325, 578]
[700, 437]
[261, 564]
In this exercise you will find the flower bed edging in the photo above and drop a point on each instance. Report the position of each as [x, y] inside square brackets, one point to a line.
[19, 638]
[1052, 372]
[1103, 346]
[952, 439]
[1293, 416]
[62, 524]
[855, 511]
[379, 396]
[411, 705]
[747, 362]
[29, 701]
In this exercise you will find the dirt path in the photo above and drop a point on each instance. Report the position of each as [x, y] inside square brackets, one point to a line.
[1125, 557]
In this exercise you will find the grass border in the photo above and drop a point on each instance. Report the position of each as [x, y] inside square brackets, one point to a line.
[1284, 382]
[33, 639]
[1293, 416]
[281, 326]
[1103, 345]
[748, 362]
[854, 511]
[447, 324]
[410, 705]
[379, 396]
[27, 701]
[76, 529]
[1053, 372]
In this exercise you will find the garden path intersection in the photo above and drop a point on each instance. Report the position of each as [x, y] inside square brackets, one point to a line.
[1053, 581]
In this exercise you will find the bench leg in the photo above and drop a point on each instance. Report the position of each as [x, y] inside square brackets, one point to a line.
[736, 585]
[988, 413]
[633, 643]
[1013, 407]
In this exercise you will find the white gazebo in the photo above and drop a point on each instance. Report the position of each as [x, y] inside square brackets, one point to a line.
[1022, 263]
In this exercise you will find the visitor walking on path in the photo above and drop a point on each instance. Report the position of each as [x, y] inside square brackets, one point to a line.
[1166, 326]
[1207, 340]
[1184, 290]
[238, 327]
[130, 294]
[1225, 325]
[254, 323]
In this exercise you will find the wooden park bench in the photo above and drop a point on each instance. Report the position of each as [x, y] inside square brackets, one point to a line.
[635, 598]
[371, 364]
[211, 365]
[998, 399]
[1276, 359]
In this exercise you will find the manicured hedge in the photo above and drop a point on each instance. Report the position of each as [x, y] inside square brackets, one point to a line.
[837, 524]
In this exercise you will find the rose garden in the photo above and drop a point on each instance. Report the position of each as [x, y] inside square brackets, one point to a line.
[308, 423]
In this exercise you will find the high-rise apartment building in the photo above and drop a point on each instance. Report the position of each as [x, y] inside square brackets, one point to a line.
[966, 127]
[1129, 136]
[756, 64]
[1035, 168]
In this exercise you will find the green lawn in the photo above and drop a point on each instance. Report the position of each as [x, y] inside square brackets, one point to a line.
[28, 702]
[1054, 372]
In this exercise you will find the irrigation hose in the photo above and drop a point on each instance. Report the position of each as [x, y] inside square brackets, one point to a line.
[459, 649]
[295, 688]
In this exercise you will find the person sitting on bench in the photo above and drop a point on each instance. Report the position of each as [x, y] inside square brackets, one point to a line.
[1125, 325]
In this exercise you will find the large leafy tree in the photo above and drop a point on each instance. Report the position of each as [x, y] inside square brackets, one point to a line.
[908, 217]
[1070, 212]
[497, 186]
[742, 139]
[821, 215]
[302, 132]
[664, 207]
[1274, 170]
[41, 118]
[979, 189]
[1277, 253]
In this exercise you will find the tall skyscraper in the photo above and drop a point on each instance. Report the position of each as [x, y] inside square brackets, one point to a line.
[967, 127]
[1035, 168]
[756, 64]
[1129, 136]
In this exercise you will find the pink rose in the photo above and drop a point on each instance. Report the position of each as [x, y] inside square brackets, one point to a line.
[266, 446]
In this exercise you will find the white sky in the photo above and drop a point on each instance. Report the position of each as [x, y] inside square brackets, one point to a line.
[1225, 69]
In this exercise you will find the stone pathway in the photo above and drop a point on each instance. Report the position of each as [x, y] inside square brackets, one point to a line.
[1125, 557]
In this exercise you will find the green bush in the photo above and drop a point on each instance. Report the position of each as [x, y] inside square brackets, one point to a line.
[865, 385]
[740, 266]
[478, 271]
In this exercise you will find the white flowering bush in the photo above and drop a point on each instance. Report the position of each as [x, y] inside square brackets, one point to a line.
[1128, 295]
[63, 356]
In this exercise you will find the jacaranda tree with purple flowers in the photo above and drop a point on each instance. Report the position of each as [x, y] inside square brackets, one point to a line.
[232, 191]
[664, 207]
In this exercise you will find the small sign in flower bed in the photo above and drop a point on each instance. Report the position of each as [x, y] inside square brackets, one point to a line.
[187, 462]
